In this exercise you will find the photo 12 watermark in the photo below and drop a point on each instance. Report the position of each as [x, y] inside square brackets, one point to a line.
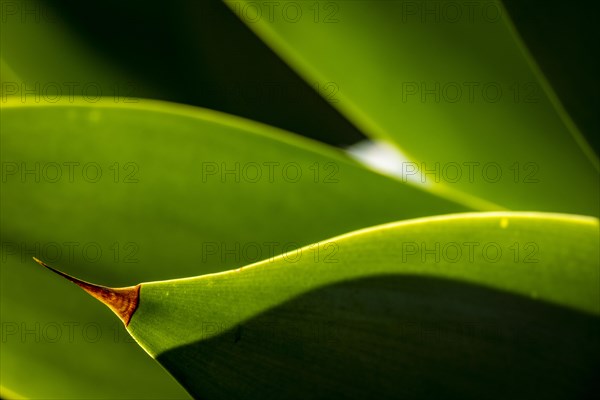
[451, 252]
[70, 172]
[490, 172]
[269, 92]
[68, 91]
[27, 12]
[273, 331]
[470, 92]
[269, 172]
[61, 332]
[449, 12]
[70, 251]
[292, 12]
[250, 252]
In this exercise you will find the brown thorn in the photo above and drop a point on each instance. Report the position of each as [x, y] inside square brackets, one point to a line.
[122, 301]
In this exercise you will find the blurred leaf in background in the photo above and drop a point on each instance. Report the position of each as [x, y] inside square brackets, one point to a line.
[457, 92]
[147, 38]
[198, 53]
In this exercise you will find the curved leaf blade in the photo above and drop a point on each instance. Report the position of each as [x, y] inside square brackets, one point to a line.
[220, 334]
[458, 94]
[117, 191]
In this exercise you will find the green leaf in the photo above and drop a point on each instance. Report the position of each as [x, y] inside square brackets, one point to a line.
[495, 298]
[43, 61]
[418, 75]
[118, 191]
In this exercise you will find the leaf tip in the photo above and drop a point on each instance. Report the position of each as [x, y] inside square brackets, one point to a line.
[43, 264]
[122, 301]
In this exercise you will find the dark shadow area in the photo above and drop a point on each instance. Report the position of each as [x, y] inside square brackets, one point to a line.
[200, 53]
[562, 37]
[401, 338]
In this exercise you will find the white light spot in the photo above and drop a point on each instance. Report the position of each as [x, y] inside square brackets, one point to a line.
[386, 159]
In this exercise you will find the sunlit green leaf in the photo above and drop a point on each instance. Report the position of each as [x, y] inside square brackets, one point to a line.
[449, 83]
[496, 300]
[141, 192]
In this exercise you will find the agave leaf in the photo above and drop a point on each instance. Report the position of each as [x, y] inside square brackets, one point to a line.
[450, 84]
[124, 165]
[152, 207]
[403, 309]
[43, 61]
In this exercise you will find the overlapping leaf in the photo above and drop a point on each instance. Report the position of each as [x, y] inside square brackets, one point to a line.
[449, 83]
[146, 192]
[336, 319]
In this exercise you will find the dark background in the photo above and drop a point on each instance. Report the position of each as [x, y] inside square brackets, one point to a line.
[204, 42]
